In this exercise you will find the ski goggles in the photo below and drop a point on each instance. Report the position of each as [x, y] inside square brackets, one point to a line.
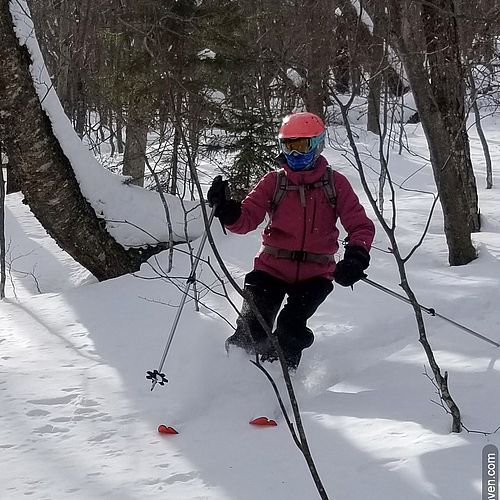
[297, 145]
[302, 145]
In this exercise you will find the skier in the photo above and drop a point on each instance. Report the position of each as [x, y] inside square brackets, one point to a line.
[303, 200]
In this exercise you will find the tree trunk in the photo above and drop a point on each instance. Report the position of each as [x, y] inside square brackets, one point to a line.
[375, 82]
[109, 115]
[341, 71]
[134, 157]
[174, 171]
[480, 131]
[80, 109]
[44, 172]
[447, 80]
[119, 134]
[314, 95]
[62, 77]
[373, 116]
[12, 182]
[426, 40]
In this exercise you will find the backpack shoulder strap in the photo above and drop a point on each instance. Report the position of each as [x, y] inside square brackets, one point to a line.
[280, 190]
[329, 186]
[282, 187]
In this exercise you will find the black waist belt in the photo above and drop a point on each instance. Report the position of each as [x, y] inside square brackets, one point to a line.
[298, 255]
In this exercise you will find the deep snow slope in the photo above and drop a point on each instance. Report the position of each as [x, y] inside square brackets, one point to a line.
[79, 421]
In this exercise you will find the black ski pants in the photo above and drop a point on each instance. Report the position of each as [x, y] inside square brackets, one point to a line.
[268, 292]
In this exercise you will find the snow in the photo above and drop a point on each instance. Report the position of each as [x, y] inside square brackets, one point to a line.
[295, 77]
[365, 18]
[79, 421]
[207, 54]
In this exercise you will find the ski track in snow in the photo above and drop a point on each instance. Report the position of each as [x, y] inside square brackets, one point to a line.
[79, 421]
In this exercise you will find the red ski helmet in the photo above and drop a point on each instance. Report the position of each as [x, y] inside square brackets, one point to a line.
[302, 124]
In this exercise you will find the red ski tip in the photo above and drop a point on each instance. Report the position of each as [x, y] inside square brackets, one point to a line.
[163, 429]
[263, 421]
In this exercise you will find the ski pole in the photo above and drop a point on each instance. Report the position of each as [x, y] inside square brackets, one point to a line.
[429, 310]
[156, 376]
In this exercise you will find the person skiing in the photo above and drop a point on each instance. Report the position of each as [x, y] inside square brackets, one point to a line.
[303, 200]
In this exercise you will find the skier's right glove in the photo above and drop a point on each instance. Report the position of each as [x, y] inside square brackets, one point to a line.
[218, 193]
[228, 211]
[350, 269]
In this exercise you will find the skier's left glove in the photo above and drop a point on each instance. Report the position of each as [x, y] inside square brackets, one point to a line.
[350, 269]
[228, 211]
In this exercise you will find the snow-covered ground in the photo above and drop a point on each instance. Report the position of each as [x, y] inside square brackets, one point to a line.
[78, 419]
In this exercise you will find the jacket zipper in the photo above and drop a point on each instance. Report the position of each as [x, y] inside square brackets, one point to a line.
[304, 227]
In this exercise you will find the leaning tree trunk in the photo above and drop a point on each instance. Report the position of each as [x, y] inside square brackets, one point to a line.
[45, 173]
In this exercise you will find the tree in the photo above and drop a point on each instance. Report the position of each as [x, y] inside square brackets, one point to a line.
[479, 27]
[389, 227]
[425, 37]
[45, 173]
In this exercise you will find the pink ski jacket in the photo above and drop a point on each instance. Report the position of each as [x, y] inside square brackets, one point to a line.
[309, 228]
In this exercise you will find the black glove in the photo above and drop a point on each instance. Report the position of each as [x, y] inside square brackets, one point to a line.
[218, 193]
[228, 211]
[350, 269]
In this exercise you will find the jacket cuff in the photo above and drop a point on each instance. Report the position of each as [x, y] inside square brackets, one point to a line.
[230, 212]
